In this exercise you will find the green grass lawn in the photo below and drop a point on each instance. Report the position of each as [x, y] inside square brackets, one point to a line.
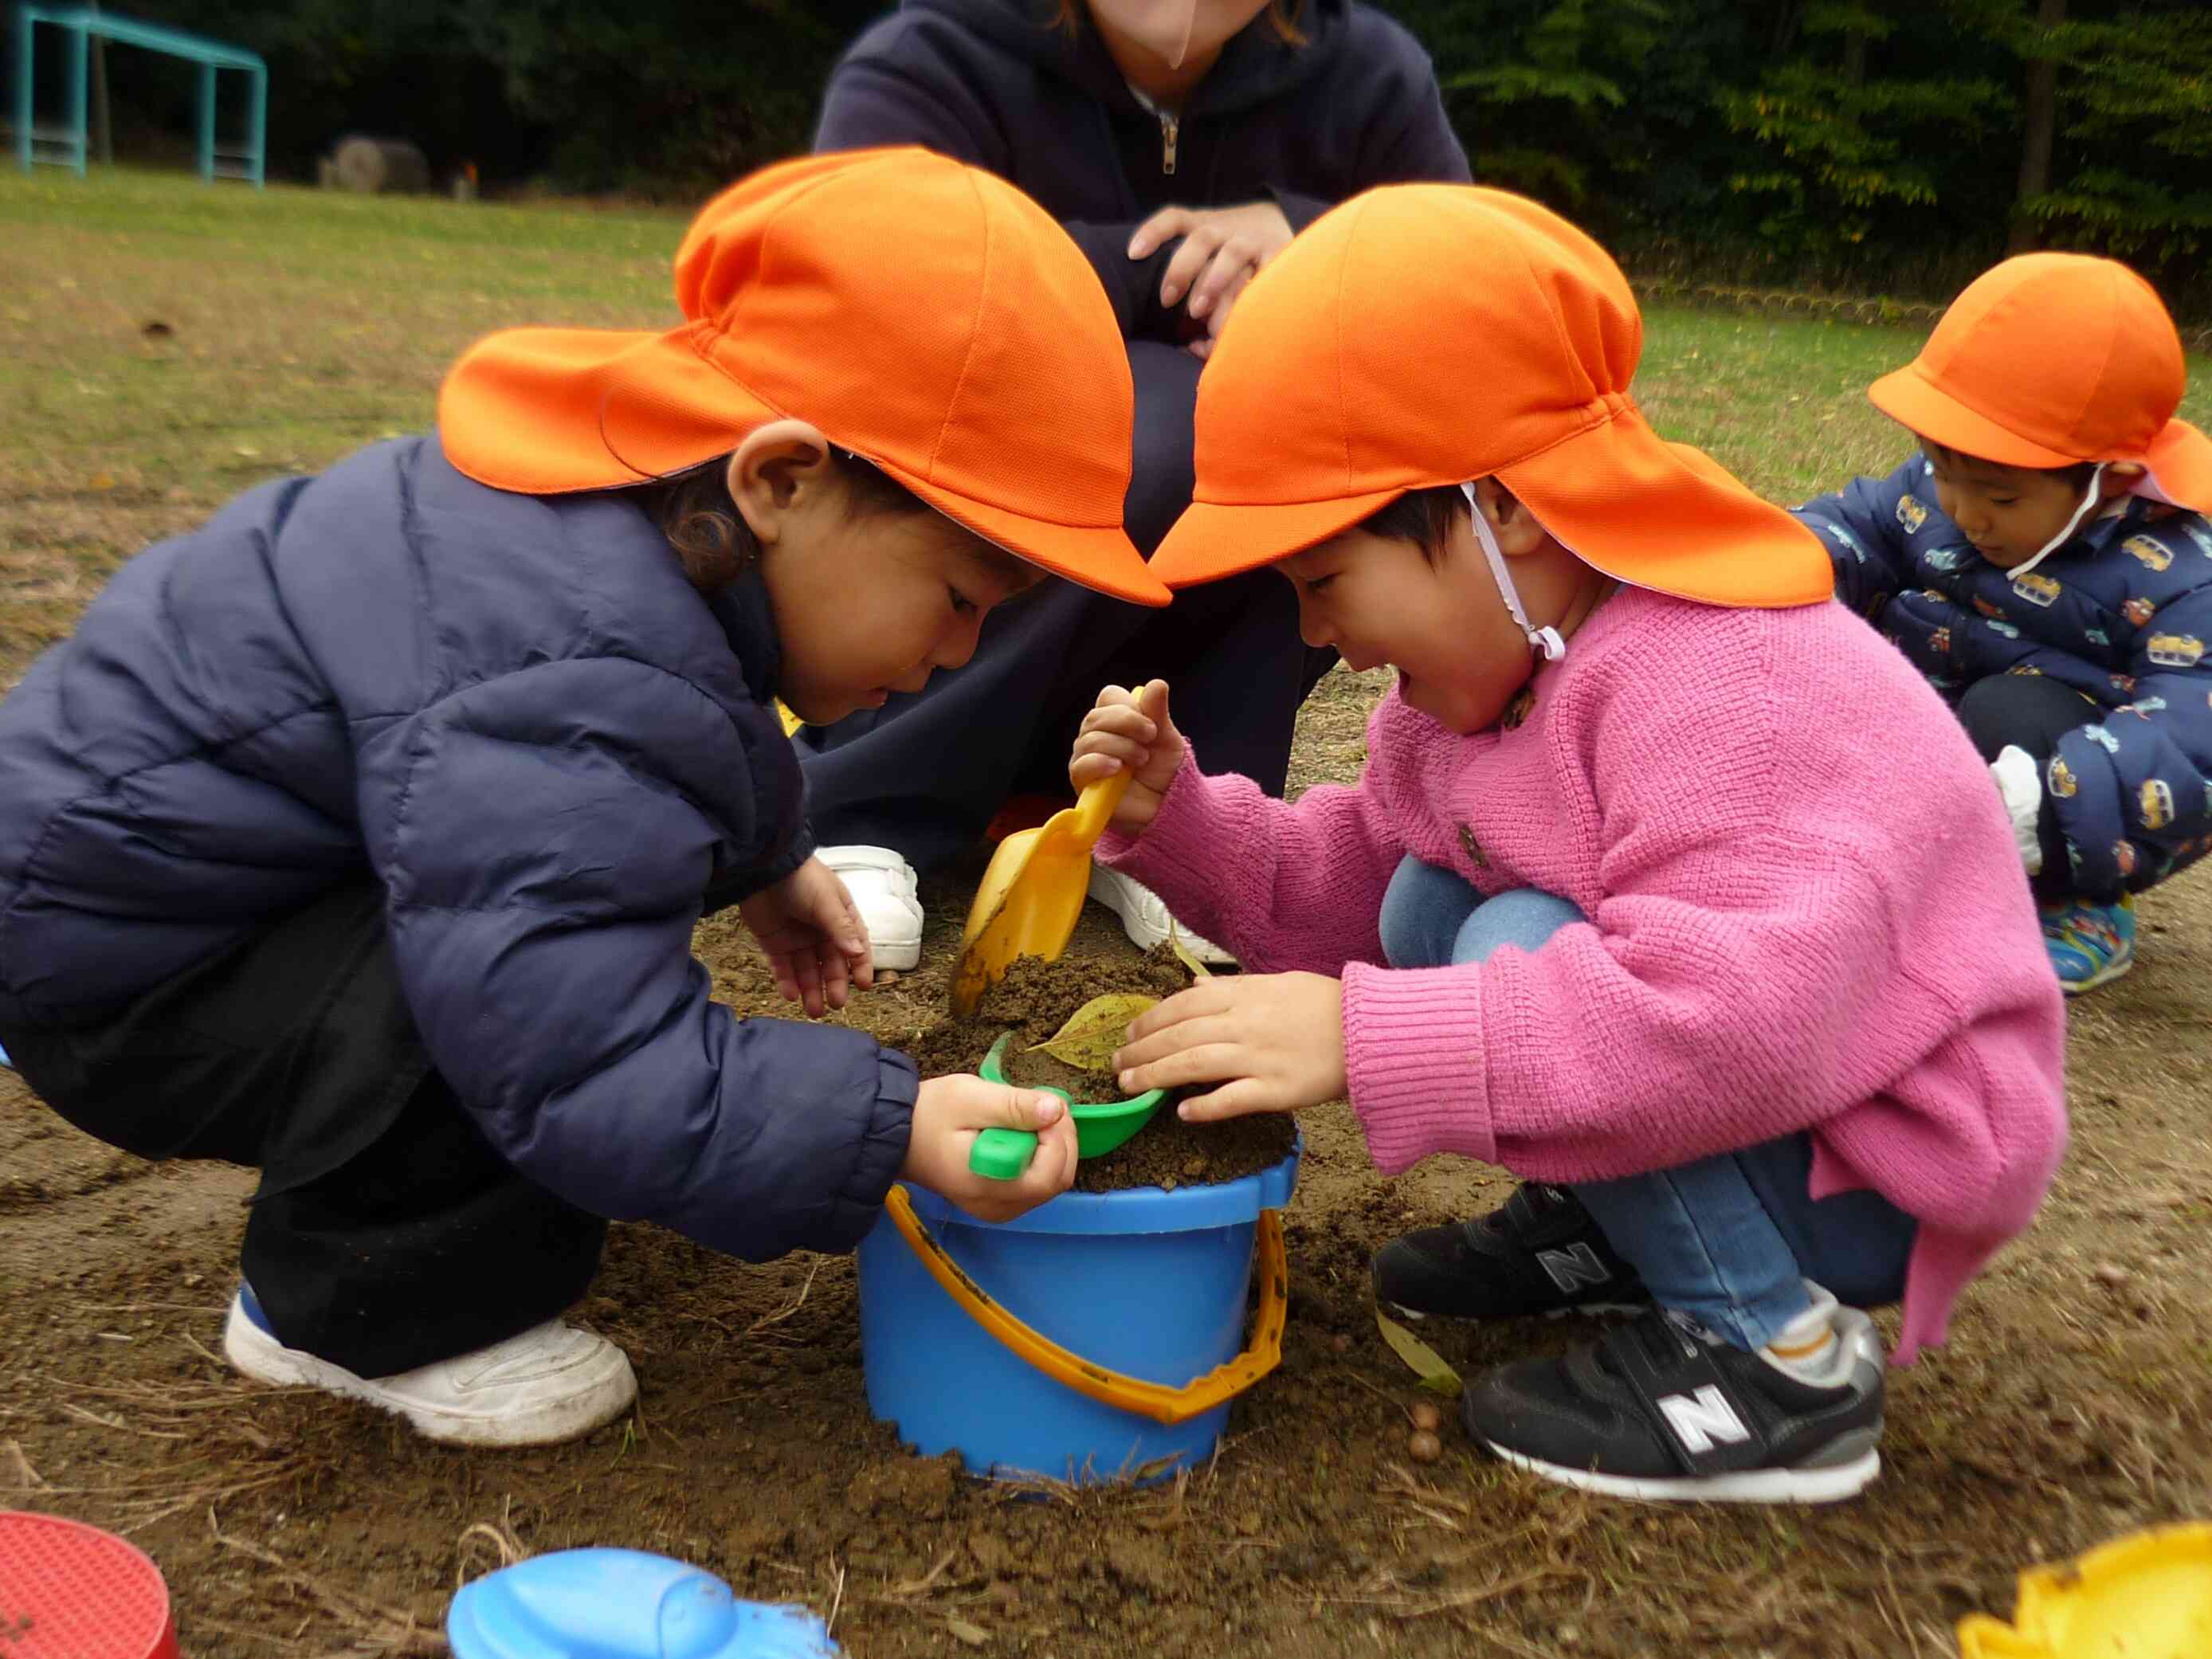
[168, 344]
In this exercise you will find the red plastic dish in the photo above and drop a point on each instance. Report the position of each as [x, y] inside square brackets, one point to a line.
[71, 1591]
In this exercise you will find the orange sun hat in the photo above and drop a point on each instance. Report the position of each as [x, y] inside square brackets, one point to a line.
[2050, 360]
[1423, 335]
[924, 315]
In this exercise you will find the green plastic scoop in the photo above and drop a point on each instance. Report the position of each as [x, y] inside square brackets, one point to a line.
[1003, 1154]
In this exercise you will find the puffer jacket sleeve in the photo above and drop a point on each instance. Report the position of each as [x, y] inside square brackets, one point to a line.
[2133, 792]
[1858, 526]
[546, 837]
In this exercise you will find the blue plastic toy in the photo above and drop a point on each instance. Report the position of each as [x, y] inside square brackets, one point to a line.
[622, 1604]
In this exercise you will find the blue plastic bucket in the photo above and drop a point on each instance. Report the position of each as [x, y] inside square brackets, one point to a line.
[1142, 1284]
[622, 1604]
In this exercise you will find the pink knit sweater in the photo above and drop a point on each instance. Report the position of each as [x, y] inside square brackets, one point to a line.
[1805, 913]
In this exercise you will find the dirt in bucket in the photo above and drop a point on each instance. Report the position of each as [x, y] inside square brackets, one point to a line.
[1034, 1000]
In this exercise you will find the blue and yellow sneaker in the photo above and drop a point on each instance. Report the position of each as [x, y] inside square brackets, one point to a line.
[2090, 945]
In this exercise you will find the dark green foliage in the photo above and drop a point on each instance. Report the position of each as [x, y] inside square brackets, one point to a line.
[1869, 143]
[661, 98]
[1875, 144]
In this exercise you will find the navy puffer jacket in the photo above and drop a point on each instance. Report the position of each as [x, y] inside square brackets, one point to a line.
[2122, 613]
[517, 715]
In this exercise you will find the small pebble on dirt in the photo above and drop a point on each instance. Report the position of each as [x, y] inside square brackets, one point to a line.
[2109, 1273]
[1423, 1447]
[1426, 1419]
[1340, 1344]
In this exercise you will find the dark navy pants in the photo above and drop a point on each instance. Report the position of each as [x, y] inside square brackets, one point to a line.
[925, 774]
[386, 1232]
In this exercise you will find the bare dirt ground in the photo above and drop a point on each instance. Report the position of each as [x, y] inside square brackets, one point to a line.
[2068, 1405]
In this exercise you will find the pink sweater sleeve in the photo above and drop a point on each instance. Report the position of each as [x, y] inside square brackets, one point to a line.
[1706, 1007]
[1283, 888]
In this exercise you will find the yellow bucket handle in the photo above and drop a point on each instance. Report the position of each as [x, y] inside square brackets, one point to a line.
[1131, 1394]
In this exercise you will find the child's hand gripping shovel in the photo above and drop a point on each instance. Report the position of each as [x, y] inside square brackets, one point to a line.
[1027, 906]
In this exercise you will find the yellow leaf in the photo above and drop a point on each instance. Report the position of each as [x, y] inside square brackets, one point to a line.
[1095, 1030]
[100, 481]
[1436, 1376]
[1183, 954]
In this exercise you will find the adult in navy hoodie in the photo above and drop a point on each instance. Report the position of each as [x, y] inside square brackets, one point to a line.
[1310, 102]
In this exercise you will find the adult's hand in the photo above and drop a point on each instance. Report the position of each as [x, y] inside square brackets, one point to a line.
[1223, 249]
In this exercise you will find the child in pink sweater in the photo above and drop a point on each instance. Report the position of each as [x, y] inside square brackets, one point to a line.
[1676, 926]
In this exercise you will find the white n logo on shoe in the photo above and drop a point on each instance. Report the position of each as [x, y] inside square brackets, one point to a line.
[1575, 1268]
[1700, 1420]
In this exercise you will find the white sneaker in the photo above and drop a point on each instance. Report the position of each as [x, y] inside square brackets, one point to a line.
[883, 887]
[1145, 917]
[545, 1385]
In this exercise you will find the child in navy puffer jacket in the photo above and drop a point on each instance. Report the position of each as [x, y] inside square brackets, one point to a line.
[2046, 562]
[359, 834]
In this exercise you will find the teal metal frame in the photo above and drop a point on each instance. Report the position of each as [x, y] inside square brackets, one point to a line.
[78, 25]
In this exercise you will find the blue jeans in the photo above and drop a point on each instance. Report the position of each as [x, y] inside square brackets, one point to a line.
[1728, 1239]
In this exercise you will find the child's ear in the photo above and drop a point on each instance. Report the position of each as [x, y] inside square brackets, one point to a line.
[776, 469]
[1518, 532]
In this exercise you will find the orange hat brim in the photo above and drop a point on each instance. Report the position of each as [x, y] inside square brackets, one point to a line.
[550, 412]
[1668, 517]
[1100, 557]
[1656, 514]
[1215, 539]
[1912, 400]
[2180, 463]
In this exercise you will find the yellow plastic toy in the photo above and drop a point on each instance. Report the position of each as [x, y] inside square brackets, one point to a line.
[2148, 1595]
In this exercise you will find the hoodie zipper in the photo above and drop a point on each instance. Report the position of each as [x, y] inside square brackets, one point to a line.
[1170, 126]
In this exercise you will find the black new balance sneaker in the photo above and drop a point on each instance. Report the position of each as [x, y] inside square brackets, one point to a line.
[1540, 1252]
[1662, 1409]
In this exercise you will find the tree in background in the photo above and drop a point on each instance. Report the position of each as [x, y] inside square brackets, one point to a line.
[1855, 140]
[2126, 167]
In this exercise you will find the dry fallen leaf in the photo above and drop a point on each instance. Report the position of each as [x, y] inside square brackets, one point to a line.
[1184, 954]
[1095, 1030]
[974, 1635]
[1428, 1365]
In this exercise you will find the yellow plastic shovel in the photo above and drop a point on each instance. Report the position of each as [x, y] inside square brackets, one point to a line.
[1032, 892]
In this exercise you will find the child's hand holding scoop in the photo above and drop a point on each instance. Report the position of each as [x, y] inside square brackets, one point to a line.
[950, 1112]
[1130, 731]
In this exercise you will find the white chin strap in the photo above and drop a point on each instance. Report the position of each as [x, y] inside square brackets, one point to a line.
[1544, 641]
[2088, 503]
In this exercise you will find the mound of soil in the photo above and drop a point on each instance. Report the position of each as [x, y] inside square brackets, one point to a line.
[1034, 1000]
